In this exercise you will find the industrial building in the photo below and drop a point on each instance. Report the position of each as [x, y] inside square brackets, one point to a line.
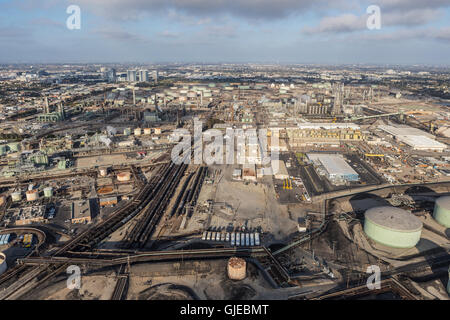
[335, 166]
[81, 211]
[417, 139]
[442, 211]
[393, 227]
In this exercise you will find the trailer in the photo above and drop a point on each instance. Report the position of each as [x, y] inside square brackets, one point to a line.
[257, 241]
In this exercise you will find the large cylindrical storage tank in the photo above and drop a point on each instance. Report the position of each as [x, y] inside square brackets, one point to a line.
[124, 176]
[393, 227]
[137, 131]
[3, 265]
[442, 211]
[237, 268]
[32, 195]
[16, 196]
[147, 131]
[48, 192]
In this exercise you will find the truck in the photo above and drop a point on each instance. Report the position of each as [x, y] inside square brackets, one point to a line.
[209, 236]
[204, 235]
[252, 239]
[247, 239]
[233, 239]
[238, 239]
[242, 239]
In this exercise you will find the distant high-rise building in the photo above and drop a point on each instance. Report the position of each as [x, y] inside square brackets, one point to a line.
[155, 75]
[111, 75]
[143, 75]
[131, 75]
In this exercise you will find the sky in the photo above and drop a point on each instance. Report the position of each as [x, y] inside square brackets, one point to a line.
[219, 31]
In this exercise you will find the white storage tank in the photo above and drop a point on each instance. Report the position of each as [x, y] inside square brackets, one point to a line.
[32, 195]
[48, 192]
[137, 131]
[442, 211]
[123, 176]
[147, 131]
[3, 265]
[16, 196]
[103, 172]
[237, 268]
[393, 227]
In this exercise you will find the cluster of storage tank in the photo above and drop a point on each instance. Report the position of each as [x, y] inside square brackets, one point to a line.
[140, 131]
[31, 194]
[398, 228]
[234, 238]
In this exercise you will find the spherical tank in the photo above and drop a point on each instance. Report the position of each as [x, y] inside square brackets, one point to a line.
[442, 211]
[393, 227]
[237, 268]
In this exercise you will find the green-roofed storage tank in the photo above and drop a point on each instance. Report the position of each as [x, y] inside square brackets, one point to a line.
[442, 211]
[393, 227]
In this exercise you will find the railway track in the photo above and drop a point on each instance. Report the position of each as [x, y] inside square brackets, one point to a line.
[82, 242]
[152, 256]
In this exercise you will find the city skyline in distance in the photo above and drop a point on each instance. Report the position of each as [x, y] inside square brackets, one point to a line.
[288, 32]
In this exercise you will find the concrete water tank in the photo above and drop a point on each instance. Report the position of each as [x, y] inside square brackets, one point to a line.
[442, 211]
[32, 195]
[393, 227]
[237, 268]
